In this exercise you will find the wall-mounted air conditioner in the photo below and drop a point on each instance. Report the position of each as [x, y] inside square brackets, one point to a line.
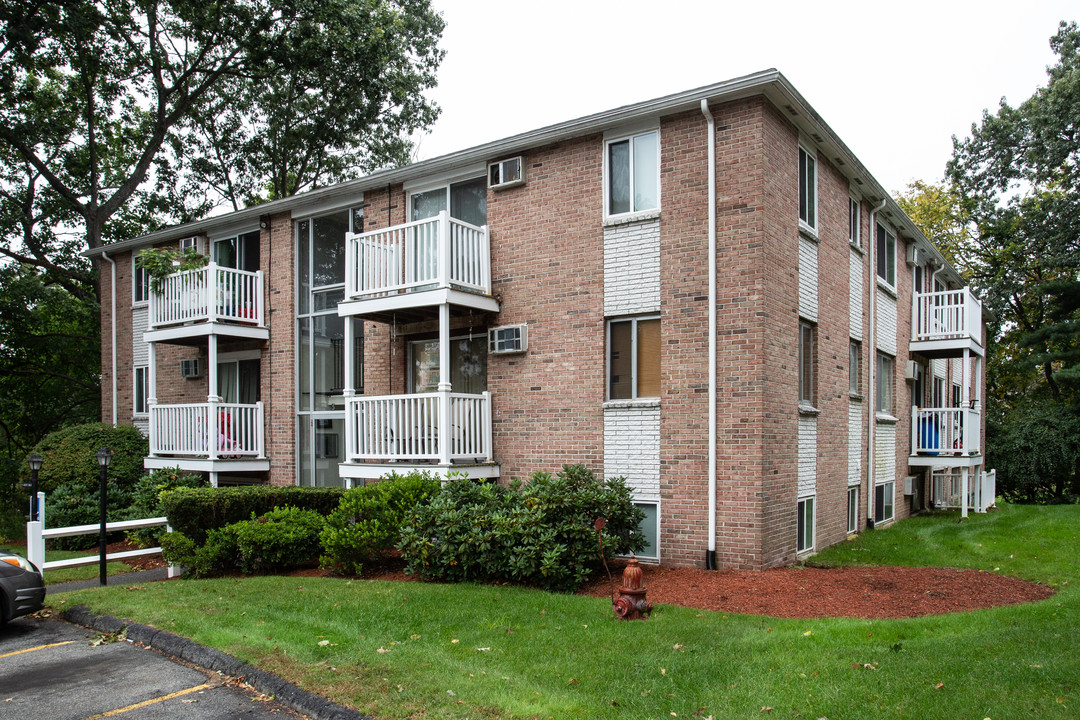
[912, 370]
[909, 484]
[914, 256]
[506, 173]
[191, 368]
[508, 339]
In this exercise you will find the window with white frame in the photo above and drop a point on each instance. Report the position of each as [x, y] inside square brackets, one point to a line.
[886, 255]
[807, 369]
[854, 220]
[854, 365]
[853, 509]
[937, 397]
[804, 522]
[807, 189]
[141, 390]
[650, 530]
[633, 173]
[634, 358]
[884, 386]
[883, 501]
[140, 282]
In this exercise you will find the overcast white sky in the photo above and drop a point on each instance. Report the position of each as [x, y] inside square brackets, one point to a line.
[895, 80]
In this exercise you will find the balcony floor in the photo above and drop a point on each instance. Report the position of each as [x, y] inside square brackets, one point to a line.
[953, 461]
[193, 331]
[949, 348]
[383, 307]
[160, 462]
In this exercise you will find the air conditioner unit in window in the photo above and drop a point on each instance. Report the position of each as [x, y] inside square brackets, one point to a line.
[508, 339]
[506, 173]
[191, 368]
[914, 257]
[909, 484]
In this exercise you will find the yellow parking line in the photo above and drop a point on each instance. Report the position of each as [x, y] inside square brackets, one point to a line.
[144, 703]
[39, 647]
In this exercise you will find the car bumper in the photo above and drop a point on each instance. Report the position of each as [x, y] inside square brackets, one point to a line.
[27, 594]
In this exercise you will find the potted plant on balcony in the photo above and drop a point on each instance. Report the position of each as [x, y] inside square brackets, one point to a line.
[159, 263]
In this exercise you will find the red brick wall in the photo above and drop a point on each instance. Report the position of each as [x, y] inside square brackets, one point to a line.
[278, 372]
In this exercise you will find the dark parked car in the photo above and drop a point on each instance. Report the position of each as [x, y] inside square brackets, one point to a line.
[22, 591]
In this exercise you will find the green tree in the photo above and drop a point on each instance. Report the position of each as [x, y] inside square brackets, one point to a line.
[1018, 179]
[103, 105]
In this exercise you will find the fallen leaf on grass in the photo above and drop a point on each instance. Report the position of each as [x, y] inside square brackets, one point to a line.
[324, 643]
[939, 686]
[663, 671]
[414, 637]
[766, 709]
[382, 650]
[483, 649]
[454, 641]
[677, 646]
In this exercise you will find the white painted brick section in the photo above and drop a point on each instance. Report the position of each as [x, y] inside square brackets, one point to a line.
[632, 448]
[855, 294]
[886, 322]
[807, 455]
[808, 279]
[140, 353]
[856, 417]
[632, 268]
[885, 452]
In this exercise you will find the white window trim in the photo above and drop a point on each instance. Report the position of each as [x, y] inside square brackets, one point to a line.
[856, 242]
[813, 525]
[884, 282]
[427, 185]
[652, 501]
[878, 506]
[853, 510]
[811, 230]
[619, 136]
[135, 268]
[135, 388]
[635, 400]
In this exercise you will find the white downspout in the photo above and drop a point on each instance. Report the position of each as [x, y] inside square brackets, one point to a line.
[710, 553]
[871, 387]
[112, 321]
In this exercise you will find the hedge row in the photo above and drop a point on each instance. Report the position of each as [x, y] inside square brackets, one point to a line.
[196, 511]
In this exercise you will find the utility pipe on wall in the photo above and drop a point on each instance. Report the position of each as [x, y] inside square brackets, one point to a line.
[871, 387]
[710, 553]
[112, 321]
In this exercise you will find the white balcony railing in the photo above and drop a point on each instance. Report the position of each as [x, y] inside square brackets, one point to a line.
[209, 294]
[442, 427]
[440, 252]
[946, 315]
[208, 430]
[945, 431]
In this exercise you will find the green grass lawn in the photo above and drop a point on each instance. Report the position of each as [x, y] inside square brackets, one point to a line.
[84, 572]
[411, 650]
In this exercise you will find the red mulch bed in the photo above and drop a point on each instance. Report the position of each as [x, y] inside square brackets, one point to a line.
[857, 592]
[792, 592]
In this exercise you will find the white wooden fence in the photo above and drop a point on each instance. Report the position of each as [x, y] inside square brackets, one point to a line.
[37, 534]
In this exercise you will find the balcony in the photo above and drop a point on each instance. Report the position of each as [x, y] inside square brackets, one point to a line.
[211, 300]
[946, 323]
[439, 431]
[421, 263]
[210, 436]
[945, 437]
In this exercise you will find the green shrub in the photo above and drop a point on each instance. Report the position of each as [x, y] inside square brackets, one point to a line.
[146, 501]
[70, 456]
[369, 519]
[195, 511]
[282, 539]
[541, 533]
[71, 504]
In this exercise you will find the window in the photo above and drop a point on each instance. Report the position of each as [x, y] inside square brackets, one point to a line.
[807, 190]
[854, 219]
[634, 358]
[937, 398]
[886, 255]
[189, 243]
[466, 201]
[853, 509]
[140, 283]
[633, 174]
[885, 379]
[649, 529]
[918, 386]
[807, 339]
[883, 502]
[805, 525]
[854, 356]
[468, 364]
[956, 395]
[141, 390]
[240, 252]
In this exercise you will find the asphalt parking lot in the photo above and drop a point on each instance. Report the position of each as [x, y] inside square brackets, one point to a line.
[55, 670]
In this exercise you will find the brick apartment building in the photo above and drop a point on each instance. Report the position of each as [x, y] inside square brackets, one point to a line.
[549, 299]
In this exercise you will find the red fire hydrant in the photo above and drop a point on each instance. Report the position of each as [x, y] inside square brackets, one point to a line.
[631, 603]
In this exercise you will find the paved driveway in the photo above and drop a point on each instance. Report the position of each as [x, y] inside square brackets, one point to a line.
[54, 670]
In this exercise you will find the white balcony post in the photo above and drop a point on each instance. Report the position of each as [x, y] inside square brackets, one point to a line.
[487, 428]
[445, 385]
[965, 400]
[349, 388]
[963, 492]
[444, 249]
[260, 299]
[35, 543]
[351, 269]
[260, 430]
[916, 439]
[210, 287]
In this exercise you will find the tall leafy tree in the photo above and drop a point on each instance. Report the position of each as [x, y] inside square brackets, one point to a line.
[1018, 179]
[106, 108]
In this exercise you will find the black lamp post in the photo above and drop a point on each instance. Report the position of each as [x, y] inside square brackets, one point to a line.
[36, 461]
[103, 458]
